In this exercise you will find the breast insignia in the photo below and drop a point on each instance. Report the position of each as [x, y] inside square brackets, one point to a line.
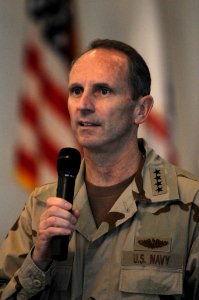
[153, 243]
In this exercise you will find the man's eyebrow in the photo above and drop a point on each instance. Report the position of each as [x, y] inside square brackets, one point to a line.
[74, 84]
[101, 84]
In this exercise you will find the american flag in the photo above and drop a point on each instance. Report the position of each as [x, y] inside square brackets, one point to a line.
[44, 125]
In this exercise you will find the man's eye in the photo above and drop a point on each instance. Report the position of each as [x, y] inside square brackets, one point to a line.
[76, 91]
[105, 91]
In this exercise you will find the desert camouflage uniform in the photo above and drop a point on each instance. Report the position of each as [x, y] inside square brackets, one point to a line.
[147, 248]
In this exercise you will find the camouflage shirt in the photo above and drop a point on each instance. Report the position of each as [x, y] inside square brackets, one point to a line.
[147, 247]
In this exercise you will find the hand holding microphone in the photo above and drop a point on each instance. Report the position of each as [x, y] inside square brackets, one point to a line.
[57, 222]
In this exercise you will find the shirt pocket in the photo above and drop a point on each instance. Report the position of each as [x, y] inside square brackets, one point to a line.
[151, 281]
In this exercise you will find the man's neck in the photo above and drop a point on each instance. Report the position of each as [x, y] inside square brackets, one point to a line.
[106, 169]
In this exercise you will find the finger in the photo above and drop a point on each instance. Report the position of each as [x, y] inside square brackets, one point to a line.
[46, 231]
[59, 213]
[51, 231]
[57, 223]
[60, 202]
[76, 213]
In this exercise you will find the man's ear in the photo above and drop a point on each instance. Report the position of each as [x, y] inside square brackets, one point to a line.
[142, 109]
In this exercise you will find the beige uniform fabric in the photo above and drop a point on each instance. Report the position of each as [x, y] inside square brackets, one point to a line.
[148, 247]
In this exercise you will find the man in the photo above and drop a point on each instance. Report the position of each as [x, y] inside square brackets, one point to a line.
[134, 226]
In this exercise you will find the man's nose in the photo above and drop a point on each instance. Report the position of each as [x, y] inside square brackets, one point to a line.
[86, 102]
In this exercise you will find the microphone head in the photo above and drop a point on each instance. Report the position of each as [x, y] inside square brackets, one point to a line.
[68, 161]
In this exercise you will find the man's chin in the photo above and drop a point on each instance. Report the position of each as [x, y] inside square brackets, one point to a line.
[90, 145]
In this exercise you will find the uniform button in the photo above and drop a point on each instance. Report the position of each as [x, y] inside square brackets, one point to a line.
[37, 283]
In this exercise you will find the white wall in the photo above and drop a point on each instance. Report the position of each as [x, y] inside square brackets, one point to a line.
[12, 24]
[181, 25]
[111, 19]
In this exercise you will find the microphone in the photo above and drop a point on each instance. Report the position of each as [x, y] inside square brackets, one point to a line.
[68, 164]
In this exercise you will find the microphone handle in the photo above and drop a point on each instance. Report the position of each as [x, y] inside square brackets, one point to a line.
[59, 244]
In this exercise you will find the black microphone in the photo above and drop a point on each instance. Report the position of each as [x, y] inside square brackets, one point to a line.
[68, 164]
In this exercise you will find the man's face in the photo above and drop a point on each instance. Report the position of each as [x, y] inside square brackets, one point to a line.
[100, 103]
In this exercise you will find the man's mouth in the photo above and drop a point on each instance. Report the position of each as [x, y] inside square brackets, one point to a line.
[87, 124]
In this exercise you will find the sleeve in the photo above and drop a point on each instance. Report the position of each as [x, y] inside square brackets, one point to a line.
[20, 278]
[192, 267]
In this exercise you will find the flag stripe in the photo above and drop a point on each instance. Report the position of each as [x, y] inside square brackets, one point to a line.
[26, 161]
[49, 91]
[158, 124]
[28, 110]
